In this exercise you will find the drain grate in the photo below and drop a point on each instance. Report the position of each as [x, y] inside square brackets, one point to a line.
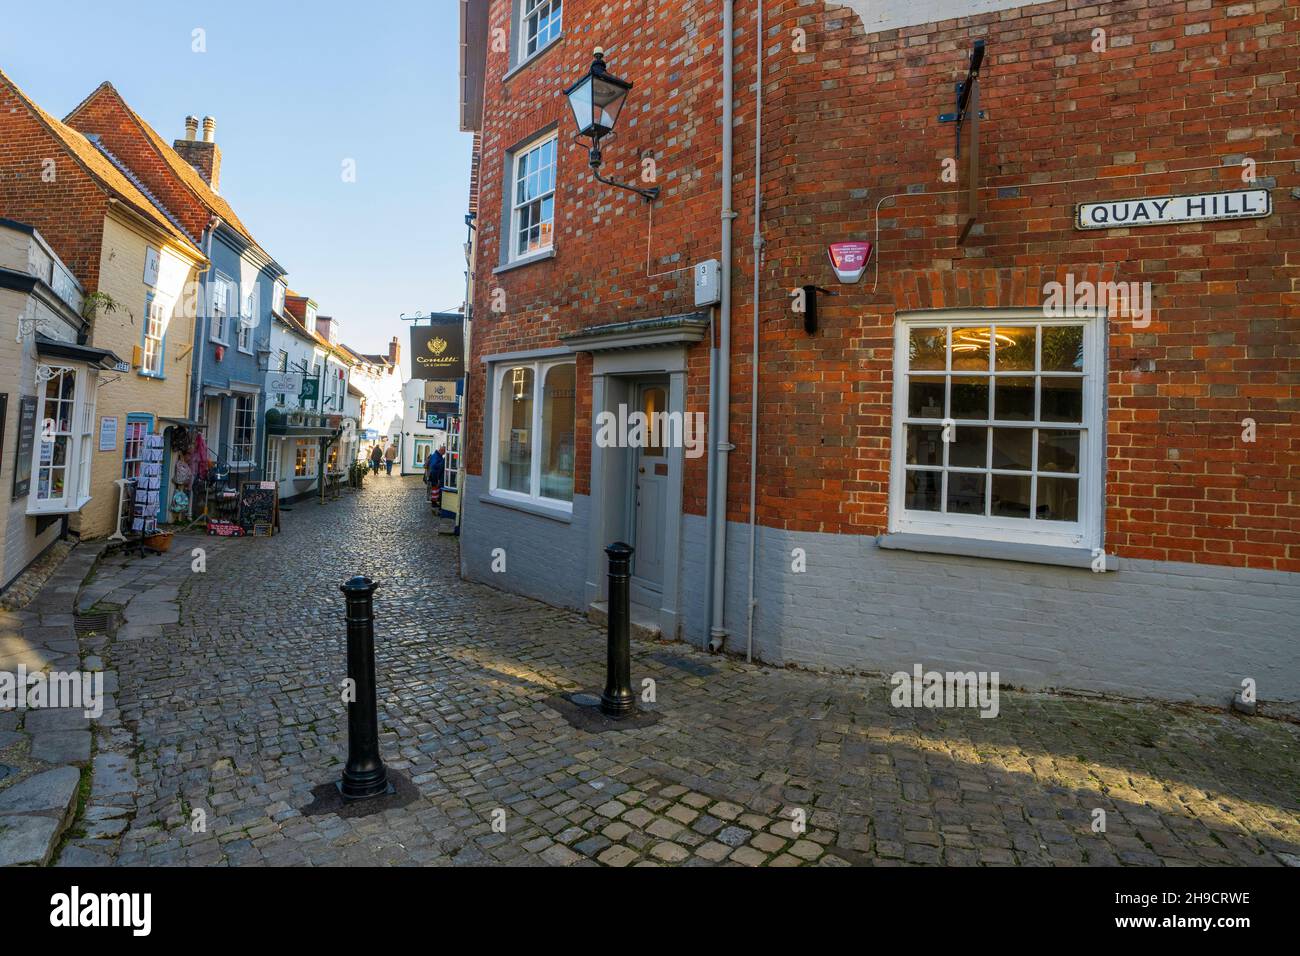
[90, 623]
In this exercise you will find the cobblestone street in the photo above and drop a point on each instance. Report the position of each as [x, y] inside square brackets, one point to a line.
[234, 709]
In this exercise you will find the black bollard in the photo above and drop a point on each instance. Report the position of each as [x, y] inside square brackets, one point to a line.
[364, 775]
[618, 700]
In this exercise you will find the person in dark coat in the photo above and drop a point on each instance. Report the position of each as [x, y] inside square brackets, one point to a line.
[435, 467]
[376, 456]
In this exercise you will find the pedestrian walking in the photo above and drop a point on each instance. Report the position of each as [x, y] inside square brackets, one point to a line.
[376, 456]
[390, 456]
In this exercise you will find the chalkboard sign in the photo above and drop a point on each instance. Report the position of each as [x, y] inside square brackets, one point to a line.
[26, 441]
[257, 505]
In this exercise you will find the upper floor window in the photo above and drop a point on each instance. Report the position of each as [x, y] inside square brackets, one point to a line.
[247, 322]
[540, 25]
[155, 331]
[277, 298]
[998, 430]
[222, 294]
[532, 214]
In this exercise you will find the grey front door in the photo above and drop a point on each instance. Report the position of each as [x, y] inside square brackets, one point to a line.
[650, 495]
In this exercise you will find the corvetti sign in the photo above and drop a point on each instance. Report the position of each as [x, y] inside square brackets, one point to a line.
[437, 351]
[1166, 210]
[849, 259]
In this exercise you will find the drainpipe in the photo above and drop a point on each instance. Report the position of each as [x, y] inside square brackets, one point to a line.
[717, 630]
[753, 386]
[200, 332]
[711, 461]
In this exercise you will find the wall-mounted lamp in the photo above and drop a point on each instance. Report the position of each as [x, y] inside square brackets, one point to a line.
[596, 100]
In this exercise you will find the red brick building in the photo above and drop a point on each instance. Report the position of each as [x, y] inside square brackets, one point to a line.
[1061, 446]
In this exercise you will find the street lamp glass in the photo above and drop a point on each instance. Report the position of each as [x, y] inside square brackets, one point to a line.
[596, 100]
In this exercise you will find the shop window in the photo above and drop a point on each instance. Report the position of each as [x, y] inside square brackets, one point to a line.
[304, 462]
[137, 427]
[243, 429]
[65, 414]
[536, 399]
[532, 212]
[998, 429]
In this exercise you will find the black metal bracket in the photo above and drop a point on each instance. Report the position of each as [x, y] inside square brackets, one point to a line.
[594, 159]
[963, 91]
[810, 306]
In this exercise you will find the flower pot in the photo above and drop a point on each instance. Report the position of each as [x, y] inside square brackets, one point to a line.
[161, 541]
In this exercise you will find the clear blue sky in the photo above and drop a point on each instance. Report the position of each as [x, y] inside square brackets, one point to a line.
[295, 88]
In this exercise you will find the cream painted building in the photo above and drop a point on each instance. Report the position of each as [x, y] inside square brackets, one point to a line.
[152, 280]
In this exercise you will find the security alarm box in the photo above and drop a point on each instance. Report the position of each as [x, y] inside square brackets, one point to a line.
[708, 282]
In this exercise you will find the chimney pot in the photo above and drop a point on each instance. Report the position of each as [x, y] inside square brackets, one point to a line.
[191, 127]
[209, 129]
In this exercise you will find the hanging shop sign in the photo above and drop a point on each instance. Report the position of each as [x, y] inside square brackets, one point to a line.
[437, 351]
[1165, 210]
[310, 390]
[849, 259]
[440, 391]
[435, 421]
[284, 383]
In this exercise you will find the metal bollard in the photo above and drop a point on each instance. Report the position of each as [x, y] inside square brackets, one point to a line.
[364, 775]
[618, 700]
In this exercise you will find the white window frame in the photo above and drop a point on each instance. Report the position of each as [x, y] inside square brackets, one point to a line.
[247, 322]
[157, 317]
[540, 368]
[273, 453]
[517, 159]
[1086, 532]
[251, 425]
[531, 21]
[311, 465]
[80, 450]
[218, 326]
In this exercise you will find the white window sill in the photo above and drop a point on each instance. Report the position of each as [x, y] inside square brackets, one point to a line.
[532, 57]
[994, 550]
[34, 511]
[156, 375]
[564, 515]
[525, 261]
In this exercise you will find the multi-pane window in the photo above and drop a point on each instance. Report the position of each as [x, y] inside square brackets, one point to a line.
[222, 293]
[273, 459]
[534, 400]
[243, 429]
[247, 319]
[155, 329]
[133, 446]
[281, 397]
[997, 429]
[65, 411]
[541, 25]
[533, 199]
[304, 461]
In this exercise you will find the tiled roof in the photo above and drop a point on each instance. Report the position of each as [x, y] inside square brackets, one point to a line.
[102, 169]
[183, 170]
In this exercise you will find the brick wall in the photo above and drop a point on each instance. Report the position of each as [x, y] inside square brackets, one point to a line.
[1182, 93]
[69, 209]
[104, 114]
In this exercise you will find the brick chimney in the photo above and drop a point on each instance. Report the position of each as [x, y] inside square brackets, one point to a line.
[203, 154]
[395, 351]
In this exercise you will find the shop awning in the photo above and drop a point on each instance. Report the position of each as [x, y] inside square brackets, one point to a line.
[299, 431]
[186, 422]
[97, 358]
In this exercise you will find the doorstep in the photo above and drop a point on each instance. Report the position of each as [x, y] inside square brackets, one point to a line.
[644, 624]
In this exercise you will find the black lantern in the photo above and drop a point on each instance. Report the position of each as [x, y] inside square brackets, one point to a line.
[596, 100]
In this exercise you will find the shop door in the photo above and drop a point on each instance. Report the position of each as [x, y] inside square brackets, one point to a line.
[649, 489]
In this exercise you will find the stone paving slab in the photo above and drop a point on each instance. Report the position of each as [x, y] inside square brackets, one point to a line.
[233, 711]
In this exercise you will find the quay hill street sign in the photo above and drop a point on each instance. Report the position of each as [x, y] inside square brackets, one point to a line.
[1167, 210]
